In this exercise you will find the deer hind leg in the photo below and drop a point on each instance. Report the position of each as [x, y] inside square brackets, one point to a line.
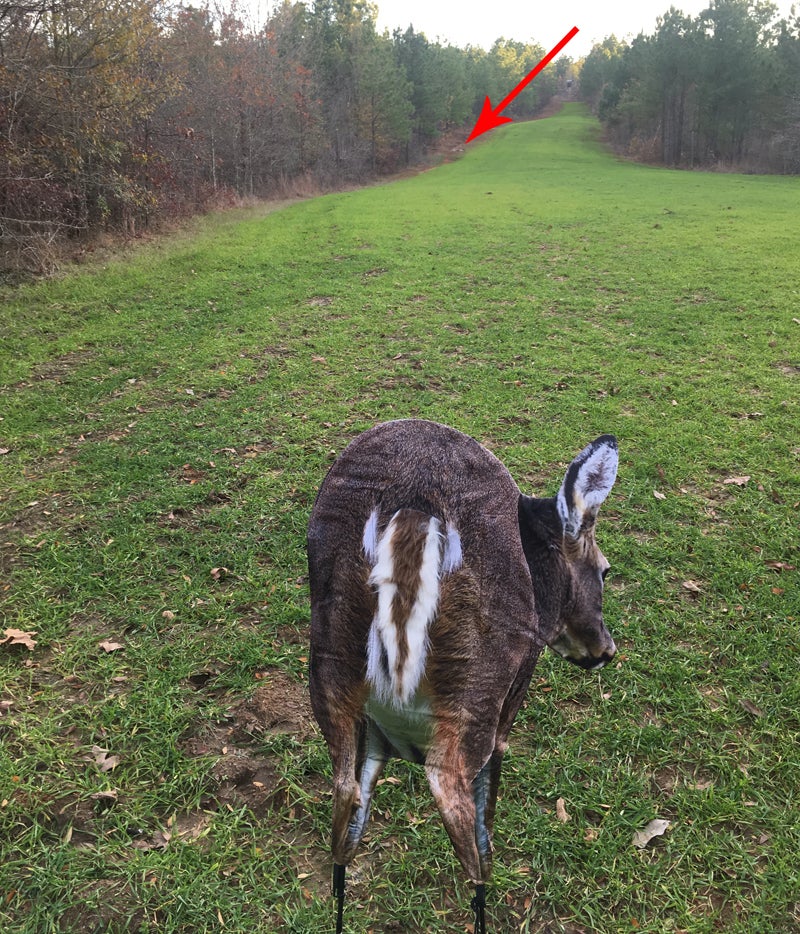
[357, 765]
[485, 787]
[463, 813]
[356, 772]
[484, 790]
[467, 808]
[375, 755]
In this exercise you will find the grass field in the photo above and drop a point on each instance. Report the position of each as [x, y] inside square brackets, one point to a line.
[166, 421]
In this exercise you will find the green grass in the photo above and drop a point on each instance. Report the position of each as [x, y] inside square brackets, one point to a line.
[168, 419]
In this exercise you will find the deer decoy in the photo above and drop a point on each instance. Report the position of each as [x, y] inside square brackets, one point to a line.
[435, 584]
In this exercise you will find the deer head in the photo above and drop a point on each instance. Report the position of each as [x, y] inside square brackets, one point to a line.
[567, 567]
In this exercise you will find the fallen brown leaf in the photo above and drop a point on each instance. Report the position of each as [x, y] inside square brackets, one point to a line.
[561, 811]
[157, 841]
[737, 481]
[110, 796]
[191, 474]
[655, 828]
[103, 761]
[750, 707]
[19, 637]
[692, 586]
[108, 646]
[779, 566]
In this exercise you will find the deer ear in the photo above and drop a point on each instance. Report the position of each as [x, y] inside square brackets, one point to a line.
[587, 483]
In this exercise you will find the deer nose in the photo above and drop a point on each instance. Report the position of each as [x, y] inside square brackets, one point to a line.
[596, 662]
[606, 657]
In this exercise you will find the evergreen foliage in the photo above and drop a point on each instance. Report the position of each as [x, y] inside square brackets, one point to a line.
[722, 89]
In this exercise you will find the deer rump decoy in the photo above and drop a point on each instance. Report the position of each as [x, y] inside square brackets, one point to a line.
[435, 584]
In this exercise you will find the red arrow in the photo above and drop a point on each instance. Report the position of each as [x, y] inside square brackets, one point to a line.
[491, 117]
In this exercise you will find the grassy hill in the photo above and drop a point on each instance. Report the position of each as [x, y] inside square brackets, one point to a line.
[166, 421]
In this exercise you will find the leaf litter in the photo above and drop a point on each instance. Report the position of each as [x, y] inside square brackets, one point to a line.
[561, 811]
[103, 760]
[108, 646]
[19, 637]
[656, 828]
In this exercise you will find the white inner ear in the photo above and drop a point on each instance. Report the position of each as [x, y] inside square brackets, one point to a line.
[596, 472]
[596, 477]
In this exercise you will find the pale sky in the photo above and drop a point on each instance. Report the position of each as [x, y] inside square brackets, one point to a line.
[480, 22]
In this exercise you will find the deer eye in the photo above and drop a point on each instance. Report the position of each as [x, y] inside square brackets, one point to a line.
[604, 573]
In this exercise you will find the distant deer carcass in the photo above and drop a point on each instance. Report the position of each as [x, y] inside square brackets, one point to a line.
[435, 584]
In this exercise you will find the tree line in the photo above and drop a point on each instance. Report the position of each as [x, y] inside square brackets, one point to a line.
[114, 113]
[720, 89]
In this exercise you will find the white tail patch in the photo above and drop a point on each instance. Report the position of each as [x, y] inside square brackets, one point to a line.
[452, 558]
[370, 538]
[407, 587]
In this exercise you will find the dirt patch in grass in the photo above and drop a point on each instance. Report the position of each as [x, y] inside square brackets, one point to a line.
[58, 368]
[36, 516]
[280, 705]
[242, 772]
[244, 775]
[103, 905]
[245, 779]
